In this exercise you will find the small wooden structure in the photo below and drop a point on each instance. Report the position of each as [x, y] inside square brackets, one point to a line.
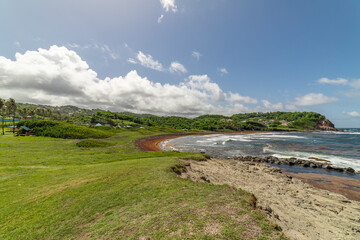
[24, 131]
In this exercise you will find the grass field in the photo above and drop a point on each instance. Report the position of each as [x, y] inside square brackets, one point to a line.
[52, 189]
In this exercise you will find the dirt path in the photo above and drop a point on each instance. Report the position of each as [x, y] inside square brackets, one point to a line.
[301, 210]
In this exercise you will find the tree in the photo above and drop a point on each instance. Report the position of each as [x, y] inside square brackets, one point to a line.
[11, 108]
[2, 106]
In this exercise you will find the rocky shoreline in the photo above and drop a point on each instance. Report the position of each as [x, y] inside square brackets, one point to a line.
[318, 163]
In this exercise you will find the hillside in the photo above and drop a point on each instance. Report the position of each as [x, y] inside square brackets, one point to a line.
[271, 121]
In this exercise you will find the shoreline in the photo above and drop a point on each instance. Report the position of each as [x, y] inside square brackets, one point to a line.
[152, 143]
[344, 185]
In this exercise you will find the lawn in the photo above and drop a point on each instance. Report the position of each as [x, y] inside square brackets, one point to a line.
[52, 189]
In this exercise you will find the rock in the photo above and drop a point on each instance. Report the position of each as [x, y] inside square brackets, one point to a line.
[312, 165]
[328, 167]
[306, 164]
[339, 169]
[350, 170]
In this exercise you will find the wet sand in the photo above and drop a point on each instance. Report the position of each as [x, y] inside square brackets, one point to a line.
[348, 187]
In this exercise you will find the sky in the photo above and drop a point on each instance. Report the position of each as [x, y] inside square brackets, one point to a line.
[184, 57]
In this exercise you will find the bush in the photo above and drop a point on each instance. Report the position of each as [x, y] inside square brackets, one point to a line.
[57, 129]
[93, 143]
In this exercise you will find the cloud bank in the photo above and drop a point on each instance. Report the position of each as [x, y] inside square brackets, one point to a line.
[314, 99]
[58, 76]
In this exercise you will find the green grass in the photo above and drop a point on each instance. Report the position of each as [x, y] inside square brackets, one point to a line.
[52, 189]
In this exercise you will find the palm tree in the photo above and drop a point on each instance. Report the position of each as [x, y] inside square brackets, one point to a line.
[2, 106]
[11, 108]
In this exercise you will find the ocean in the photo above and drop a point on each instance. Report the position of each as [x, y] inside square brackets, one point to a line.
[341, 148]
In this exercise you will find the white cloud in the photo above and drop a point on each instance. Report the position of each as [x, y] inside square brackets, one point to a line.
[223, 70]
[236, 97]
[291, 107]
[196, 55]
[272, 107]
[149, 62]
[160, 18]
[58, 76]
[17, 44]
[355, 84]
[338, 81]
[105, 49]
[169, 5]
[353, 114]
[131, 60]
[177, 67]
[314, 99]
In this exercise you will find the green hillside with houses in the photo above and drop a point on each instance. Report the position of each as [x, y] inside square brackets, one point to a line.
[270, 121]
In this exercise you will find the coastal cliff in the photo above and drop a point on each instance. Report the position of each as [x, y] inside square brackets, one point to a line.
[325, 124]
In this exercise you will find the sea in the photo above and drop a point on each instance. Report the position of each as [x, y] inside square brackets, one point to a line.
[341, 148]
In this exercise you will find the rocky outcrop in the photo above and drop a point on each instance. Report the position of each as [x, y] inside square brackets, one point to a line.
[325, 125]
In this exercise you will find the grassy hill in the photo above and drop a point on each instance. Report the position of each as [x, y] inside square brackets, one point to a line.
[53, 188]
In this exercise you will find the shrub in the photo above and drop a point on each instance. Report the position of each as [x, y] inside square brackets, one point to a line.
[57, 129]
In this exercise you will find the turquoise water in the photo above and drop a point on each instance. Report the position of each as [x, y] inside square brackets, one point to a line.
[342, 148]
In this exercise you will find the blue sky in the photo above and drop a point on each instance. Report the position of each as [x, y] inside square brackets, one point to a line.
[184, 57]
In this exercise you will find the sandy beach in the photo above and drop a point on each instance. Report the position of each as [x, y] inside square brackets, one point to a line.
[305, 205]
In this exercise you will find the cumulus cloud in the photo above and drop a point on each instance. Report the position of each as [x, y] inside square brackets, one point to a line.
[353, 114]
[160, 18]
[236, 97]
[177, 67]
[314, 99]
[338, 81]
[272, 107]
[223, 70]
[58, 76]
[169, 5]
[148, 62]
[196, 55]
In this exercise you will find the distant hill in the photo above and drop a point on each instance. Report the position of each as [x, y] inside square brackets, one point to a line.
[273, 121]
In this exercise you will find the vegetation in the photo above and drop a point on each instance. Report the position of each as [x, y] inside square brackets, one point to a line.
[52, 189]
[270, 121]
[57, 129]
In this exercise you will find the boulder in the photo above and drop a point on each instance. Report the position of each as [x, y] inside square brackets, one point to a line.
[350, 170]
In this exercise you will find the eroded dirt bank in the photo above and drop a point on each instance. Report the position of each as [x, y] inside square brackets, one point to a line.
[301, 210]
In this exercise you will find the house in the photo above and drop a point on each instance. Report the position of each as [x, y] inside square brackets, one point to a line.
[226, 120]
[98, 125]
[285, 123]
